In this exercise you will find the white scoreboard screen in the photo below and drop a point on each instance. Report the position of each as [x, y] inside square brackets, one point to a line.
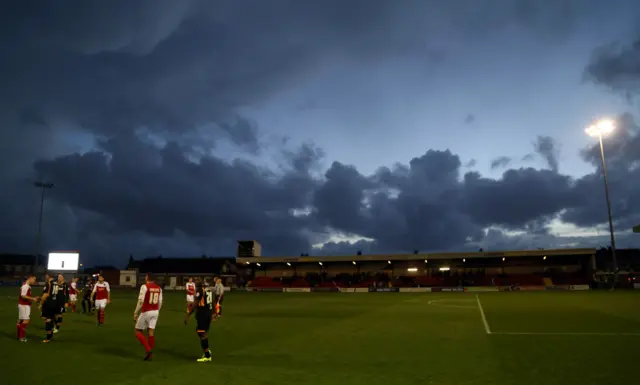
[63, 261]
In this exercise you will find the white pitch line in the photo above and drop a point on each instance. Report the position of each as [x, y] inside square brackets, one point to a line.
[564, 334]
[484, 318]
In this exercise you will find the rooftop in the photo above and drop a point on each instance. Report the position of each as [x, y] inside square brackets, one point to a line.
[419, 256]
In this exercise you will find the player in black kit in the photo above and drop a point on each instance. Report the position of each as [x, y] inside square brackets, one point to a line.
[62, 301]
[49, 306]
[202, 306]
[86, 297]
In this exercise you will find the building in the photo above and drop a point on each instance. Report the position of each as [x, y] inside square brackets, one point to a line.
[19, 265]
[111, 274]
[174, 272]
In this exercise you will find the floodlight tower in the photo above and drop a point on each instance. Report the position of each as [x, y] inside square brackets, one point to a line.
[42, 186]
[599, 129]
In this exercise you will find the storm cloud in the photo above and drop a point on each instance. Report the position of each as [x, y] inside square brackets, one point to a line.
[136, 110]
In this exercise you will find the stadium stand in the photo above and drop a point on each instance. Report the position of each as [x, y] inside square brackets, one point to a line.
[533, 269]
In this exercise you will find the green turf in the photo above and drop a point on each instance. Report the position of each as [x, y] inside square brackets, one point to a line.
[341, 338]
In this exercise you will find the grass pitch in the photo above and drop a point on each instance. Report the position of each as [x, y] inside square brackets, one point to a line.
[568, 338]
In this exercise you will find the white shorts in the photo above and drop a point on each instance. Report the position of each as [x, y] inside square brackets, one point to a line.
[73, 297]
[24, 312]
[147, 320]
[190, 298]
[101, 303]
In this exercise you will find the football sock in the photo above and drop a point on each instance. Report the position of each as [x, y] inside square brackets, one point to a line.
[23, 330]
[73, 308]
[84, 306]
[48, 326]
[18, 329]
[152, 342]
[204, 343]
[100, 316]
[143, 341]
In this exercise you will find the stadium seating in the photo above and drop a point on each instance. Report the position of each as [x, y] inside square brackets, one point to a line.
[266, 282]
[300, 282]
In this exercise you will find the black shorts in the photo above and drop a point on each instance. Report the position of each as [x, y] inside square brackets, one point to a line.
[62, 309]
[50, 311]
[203, 321]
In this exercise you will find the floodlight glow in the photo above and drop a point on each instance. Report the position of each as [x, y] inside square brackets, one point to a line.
[413, 269]
[444, 269]
[247, 263]
[257, 264]
[426, 261]
[389, 262]
[288, 264]
[601, 128]
[504, 259]
[545, 257]
[464, 260]
[354, 262]
[63, 261]
[320, 263]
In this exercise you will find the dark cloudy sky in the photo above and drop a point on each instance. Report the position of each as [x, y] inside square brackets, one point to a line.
[177, 127]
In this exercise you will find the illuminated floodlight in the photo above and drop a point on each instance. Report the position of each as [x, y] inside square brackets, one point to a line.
[257, 264]
[444, 269]
[504, 259]
[464, 260]
[63, 261]
[601, 127]
[544, 258]
[412, 269]
[426, 261]
[320, 263]
[389, 262]
[354, 262]
[288, 264]
[247, 263]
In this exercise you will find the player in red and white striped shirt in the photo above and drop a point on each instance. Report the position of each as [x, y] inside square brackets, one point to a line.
[73, 293]
[24, 308]
[101, 297]
[191, 292]
[146, 314]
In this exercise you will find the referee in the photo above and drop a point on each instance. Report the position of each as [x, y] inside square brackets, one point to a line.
[218, 289]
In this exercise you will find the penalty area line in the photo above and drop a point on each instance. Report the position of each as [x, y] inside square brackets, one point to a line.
[565, 334]
[484, 318]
